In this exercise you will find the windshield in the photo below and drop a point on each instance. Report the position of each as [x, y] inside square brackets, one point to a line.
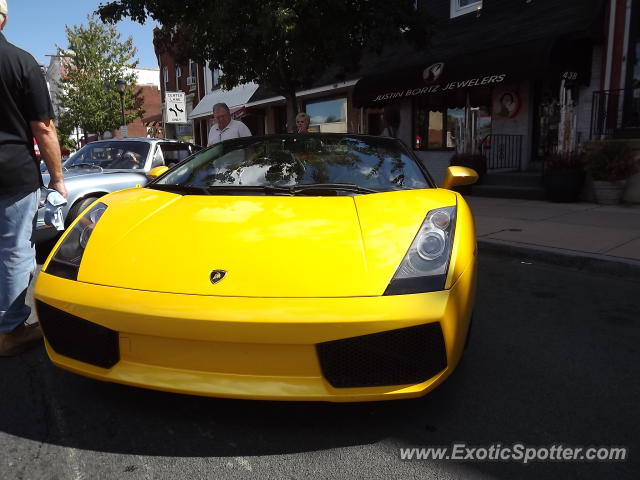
[110, 155]
[364, 164]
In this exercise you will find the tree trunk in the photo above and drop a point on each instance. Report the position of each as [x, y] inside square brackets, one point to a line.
[292, 111]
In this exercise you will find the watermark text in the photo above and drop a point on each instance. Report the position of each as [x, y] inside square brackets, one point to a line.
[517, 452]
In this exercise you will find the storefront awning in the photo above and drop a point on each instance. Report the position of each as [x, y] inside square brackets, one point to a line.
[236, 97]
[491, 68]
[238, 112]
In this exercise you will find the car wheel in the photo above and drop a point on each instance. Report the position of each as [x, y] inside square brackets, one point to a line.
[77, 208]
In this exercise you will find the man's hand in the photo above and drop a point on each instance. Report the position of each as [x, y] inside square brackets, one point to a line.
[47, 138]
[59, 186]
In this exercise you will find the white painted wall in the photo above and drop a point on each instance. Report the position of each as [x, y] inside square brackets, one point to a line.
[147, 76]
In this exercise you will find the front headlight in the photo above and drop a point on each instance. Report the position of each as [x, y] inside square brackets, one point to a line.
[424, 267]
[66, 260]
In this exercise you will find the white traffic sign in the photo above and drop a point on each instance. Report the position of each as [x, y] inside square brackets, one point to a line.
[175, 107]
[124, 131]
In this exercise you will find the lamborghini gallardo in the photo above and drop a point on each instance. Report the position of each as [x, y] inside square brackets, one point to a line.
[320, 267]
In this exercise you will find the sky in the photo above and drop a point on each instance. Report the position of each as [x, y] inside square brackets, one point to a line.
[37, 26]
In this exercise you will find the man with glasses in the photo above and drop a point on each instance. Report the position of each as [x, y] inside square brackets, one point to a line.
[225, 127]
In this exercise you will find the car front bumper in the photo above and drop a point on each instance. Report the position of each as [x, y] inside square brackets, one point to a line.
[254, 348]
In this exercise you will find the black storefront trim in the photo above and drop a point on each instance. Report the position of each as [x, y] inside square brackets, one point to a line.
[448, 77]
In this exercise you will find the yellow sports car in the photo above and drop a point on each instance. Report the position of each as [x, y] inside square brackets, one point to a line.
[286, 267]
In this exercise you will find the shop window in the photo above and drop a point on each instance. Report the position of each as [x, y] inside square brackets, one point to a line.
[481, 123]
[438, 126]
[435, 130]
[454, 133]
[215, 77]
[192, 76]
[328, 115]
[462, 7]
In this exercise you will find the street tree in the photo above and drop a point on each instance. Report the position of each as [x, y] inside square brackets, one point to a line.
[97, 58]
[283, 45]
[66, 126]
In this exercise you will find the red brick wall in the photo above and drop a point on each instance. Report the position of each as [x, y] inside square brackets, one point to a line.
[152, 105]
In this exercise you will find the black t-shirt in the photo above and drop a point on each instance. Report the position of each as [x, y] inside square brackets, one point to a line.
[24, 97]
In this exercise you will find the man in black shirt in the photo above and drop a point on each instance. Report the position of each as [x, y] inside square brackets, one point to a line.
[25, 113]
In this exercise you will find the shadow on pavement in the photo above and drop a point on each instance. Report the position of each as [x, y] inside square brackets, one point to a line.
[46, 404]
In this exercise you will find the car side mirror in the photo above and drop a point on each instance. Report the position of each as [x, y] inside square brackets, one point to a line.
[458, 176]
[157, 171]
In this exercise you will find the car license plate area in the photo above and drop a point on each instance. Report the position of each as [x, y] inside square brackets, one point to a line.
[221, 357]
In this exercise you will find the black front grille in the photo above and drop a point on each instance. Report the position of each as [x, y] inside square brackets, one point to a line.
[77, 338]
[395, 357]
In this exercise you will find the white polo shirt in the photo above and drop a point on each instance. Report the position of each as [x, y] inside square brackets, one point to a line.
[235, 129]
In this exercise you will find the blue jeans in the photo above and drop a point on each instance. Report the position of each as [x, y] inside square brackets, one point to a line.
[18, 216]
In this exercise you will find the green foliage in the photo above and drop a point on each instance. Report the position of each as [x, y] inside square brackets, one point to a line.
[611, 161]
[283, 45]
[96, 58]
[65, 125]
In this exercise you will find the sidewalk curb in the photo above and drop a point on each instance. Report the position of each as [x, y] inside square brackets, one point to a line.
[588, 262]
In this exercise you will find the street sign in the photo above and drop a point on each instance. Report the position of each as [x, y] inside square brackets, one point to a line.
[124, 131]
[175, 107]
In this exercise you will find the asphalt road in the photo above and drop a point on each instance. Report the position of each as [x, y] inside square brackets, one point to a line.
[554, 359]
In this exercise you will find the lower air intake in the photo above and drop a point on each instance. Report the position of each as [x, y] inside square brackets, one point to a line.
[77, 338]
[396, 357]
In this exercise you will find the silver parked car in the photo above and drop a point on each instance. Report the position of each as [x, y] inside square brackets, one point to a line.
[105, 166]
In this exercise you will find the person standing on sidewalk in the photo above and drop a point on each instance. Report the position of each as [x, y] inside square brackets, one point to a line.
[225, 127]
[25, 113]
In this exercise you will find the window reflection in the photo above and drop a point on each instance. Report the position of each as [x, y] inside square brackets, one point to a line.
[111, 155]
[455, 128]
[328, 116]
[435, 127]
[289, 161]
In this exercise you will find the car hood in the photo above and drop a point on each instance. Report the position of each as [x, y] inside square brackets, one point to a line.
[270, 246]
